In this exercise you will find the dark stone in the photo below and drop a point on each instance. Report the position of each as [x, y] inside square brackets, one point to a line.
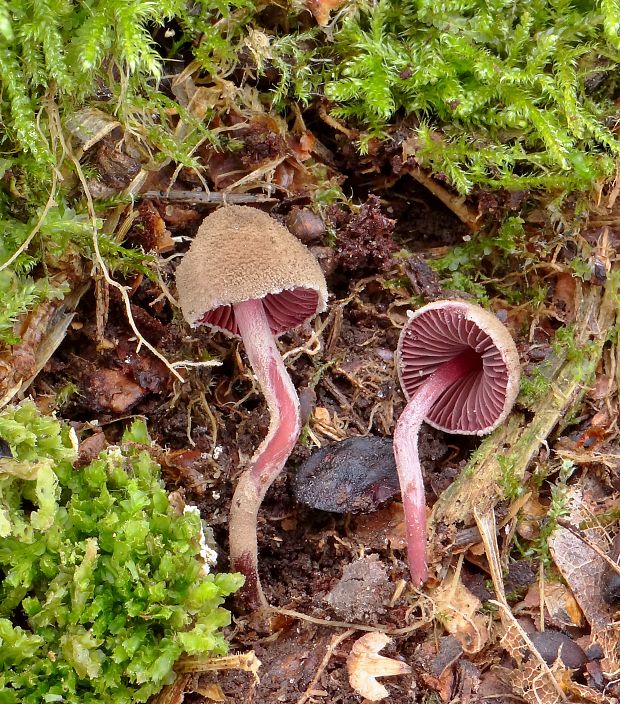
[353, 476]
[553, 644]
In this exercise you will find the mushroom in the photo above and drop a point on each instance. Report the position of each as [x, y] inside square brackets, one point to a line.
[459, 369]
[248, 276]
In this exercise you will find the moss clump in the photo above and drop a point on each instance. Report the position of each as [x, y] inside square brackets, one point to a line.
[498, 94]
[55, 57]
[510, 94]
[70, 50]
[512, 484]
[101, 581]
[534, 387]
[558, 508]
[470, 266]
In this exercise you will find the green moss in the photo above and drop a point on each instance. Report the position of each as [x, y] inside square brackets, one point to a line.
[512, 485]
[463, 267]
[565, 342]
[64, 235]
[581, 268]
[64, 394]
[304, 436]
[102, 587]
[533, 387]
[558, 508]
[19, 295]
[54, 57]
[500, 89]
[507, 94]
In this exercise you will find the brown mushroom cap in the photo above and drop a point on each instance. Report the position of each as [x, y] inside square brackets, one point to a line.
[241, 254]
[439, 332]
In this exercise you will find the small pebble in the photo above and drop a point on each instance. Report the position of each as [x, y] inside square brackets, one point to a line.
[550, 644]
[306, 225]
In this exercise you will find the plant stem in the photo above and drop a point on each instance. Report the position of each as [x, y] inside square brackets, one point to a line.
[271, 455]
[408, 459]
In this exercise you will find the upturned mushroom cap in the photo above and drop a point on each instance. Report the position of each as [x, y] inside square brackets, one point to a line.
[241, 254]
[440, 331]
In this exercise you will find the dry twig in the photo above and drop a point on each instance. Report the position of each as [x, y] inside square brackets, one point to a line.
[452, 201]
[247, 662]
[379, 628]
[209, 197]
[333, 644]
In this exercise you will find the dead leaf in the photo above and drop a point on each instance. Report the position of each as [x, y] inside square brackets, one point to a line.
[111, 389]
[562, 606]
[580, 565]
[493, 685]
[364, 665]
[528, 682]
[321, 9]
[153, 234]
[184, 465]
[532, 679]
[583, 570]
[178, 215]
[211, 691]
[531, 601]
[565, 297]
[588, 694]
[303, 147]
[381, 528]
[456, 609]
[604, 386]
[443, 685]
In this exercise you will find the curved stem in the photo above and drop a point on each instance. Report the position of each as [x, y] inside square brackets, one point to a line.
[408, 460]
[272, 453]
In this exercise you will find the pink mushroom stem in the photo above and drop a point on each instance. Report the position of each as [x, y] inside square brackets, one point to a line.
[270, 457]
[408, 459]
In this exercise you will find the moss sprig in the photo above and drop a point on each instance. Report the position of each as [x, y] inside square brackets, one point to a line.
[501, 90]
